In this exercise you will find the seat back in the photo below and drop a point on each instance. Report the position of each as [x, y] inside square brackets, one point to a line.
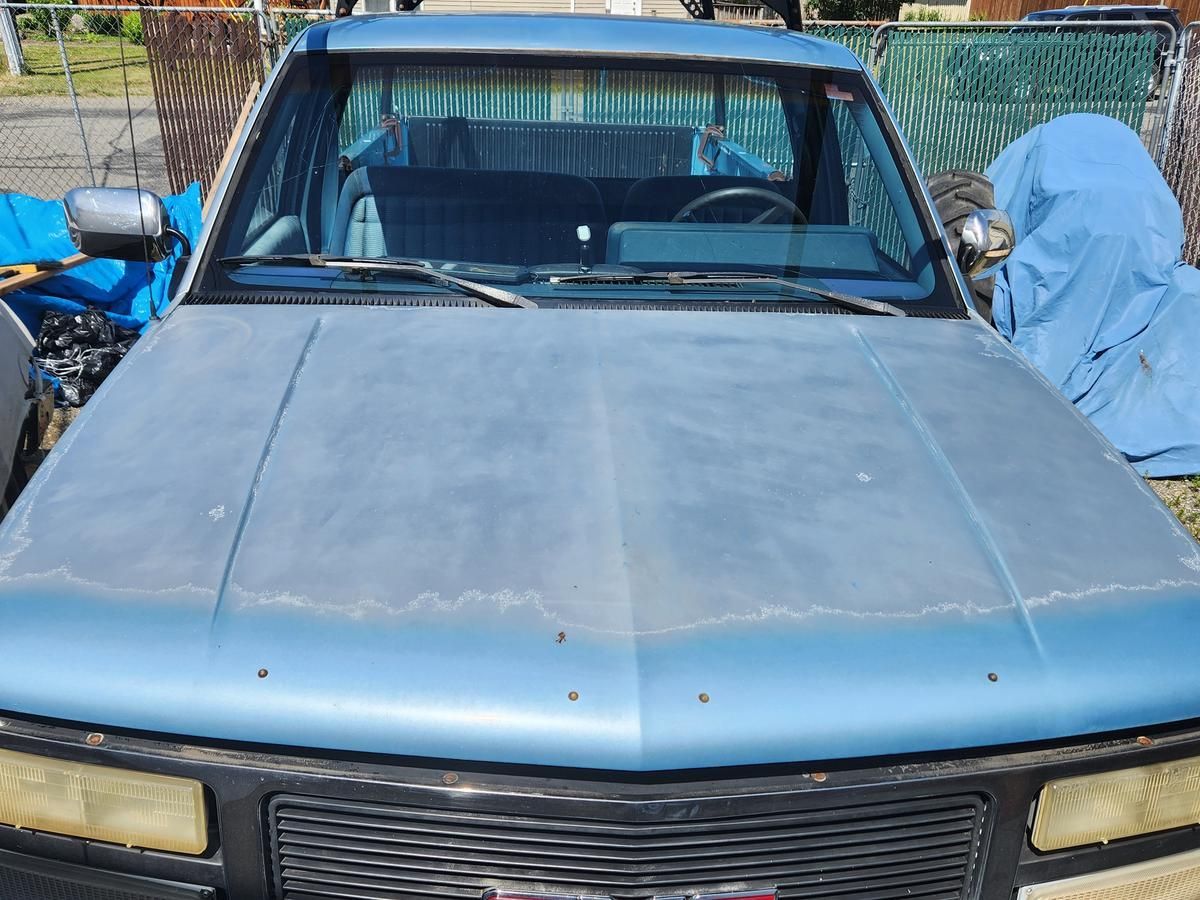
[659, 199]
[515, 218]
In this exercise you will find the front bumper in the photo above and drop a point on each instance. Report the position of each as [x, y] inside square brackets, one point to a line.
[248, 786]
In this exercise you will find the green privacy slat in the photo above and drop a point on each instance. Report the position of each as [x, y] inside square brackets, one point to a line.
[478, 93]
[614, 97]
[962, 95]
[855, 37]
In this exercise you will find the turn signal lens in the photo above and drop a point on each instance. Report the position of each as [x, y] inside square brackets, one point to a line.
[1095, 809]
[156, 812]
[1169, 878]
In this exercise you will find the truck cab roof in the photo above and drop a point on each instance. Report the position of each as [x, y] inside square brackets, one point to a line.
[567, 35]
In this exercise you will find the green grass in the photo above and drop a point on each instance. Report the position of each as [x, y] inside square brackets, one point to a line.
[95, 68]
[1182, 495]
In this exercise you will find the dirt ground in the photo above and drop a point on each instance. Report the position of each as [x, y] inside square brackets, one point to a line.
[1182, 495]
[59, 422]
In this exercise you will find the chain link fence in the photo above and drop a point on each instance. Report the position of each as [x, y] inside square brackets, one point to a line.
[98, 83]
[287, 23]
[1181, 151]
[66, 122]
[856, 36]
[114, 95]
[962, 93]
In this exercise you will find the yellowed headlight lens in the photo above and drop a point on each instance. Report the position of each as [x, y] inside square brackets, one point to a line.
[1169, 878]
[156, 812]
[1093, 809]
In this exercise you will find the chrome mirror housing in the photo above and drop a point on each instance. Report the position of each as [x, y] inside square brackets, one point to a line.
[118, 223]
[988, 237]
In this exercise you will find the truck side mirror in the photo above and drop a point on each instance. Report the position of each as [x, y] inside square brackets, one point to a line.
[988, 237]
[118, 223]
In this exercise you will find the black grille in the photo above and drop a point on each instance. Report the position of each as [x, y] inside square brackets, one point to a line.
[28, 878]
[916, 850]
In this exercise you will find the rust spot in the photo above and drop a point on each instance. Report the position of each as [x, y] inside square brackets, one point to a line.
[992, 676]
[562, 636]
[1145, 363]
[1145, 741]
[820, 777]
[450, 778]
[574, 695]
[262, 673]
[94, 739]
[704, 698]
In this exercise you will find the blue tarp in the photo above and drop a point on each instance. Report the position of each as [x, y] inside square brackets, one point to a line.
[33, 230]
[1095, 293]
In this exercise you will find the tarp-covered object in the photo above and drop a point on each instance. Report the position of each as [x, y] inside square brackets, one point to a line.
[33, 230]
[1095, 293]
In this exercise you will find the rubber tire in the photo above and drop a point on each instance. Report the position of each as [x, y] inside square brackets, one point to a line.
[957, 193]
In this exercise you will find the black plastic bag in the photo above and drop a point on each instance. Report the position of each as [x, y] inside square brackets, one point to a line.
[79, 350]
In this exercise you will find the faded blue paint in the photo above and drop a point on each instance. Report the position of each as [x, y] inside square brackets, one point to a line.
[574, 35]
[811, 518]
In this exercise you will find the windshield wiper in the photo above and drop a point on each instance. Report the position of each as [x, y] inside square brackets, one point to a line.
[417, 269]
[849, 301]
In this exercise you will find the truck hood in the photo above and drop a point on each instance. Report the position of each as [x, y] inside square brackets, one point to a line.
[625, 540]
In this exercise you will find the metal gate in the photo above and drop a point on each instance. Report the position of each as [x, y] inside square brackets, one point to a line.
[1181, 150]
[963, 92]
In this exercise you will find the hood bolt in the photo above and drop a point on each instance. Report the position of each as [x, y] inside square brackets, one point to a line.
[704, 698]
[993, 677]
[820, 777]
[262, 673]
[1145, 741]
[94, 739]
[573, 696]
[450, 778]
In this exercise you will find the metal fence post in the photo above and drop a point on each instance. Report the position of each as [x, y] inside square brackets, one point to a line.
[11, 39]
[1178, 73]
[62, 52]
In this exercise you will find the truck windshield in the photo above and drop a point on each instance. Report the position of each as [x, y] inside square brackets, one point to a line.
[528, 173]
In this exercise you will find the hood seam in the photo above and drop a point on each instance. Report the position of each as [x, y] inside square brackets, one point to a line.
[983, 535]
[259, 471]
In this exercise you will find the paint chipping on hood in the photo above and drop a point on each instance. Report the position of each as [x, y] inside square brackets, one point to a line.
[836, 527]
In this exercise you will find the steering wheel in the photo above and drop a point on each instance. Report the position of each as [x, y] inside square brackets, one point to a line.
[778, 206]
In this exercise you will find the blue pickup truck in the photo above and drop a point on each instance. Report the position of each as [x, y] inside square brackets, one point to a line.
[573, 467]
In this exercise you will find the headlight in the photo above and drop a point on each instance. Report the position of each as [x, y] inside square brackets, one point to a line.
[157, 812]
[1172, 876]
[1093, 809]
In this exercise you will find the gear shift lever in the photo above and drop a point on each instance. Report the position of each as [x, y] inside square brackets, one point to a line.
[584, 234]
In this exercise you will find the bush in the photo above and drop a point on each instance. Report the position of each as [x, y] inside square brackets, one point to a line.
[131, 28]
[855, 10]
[43, 27]
[923, 14]
[102, 23]
[28, 26]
